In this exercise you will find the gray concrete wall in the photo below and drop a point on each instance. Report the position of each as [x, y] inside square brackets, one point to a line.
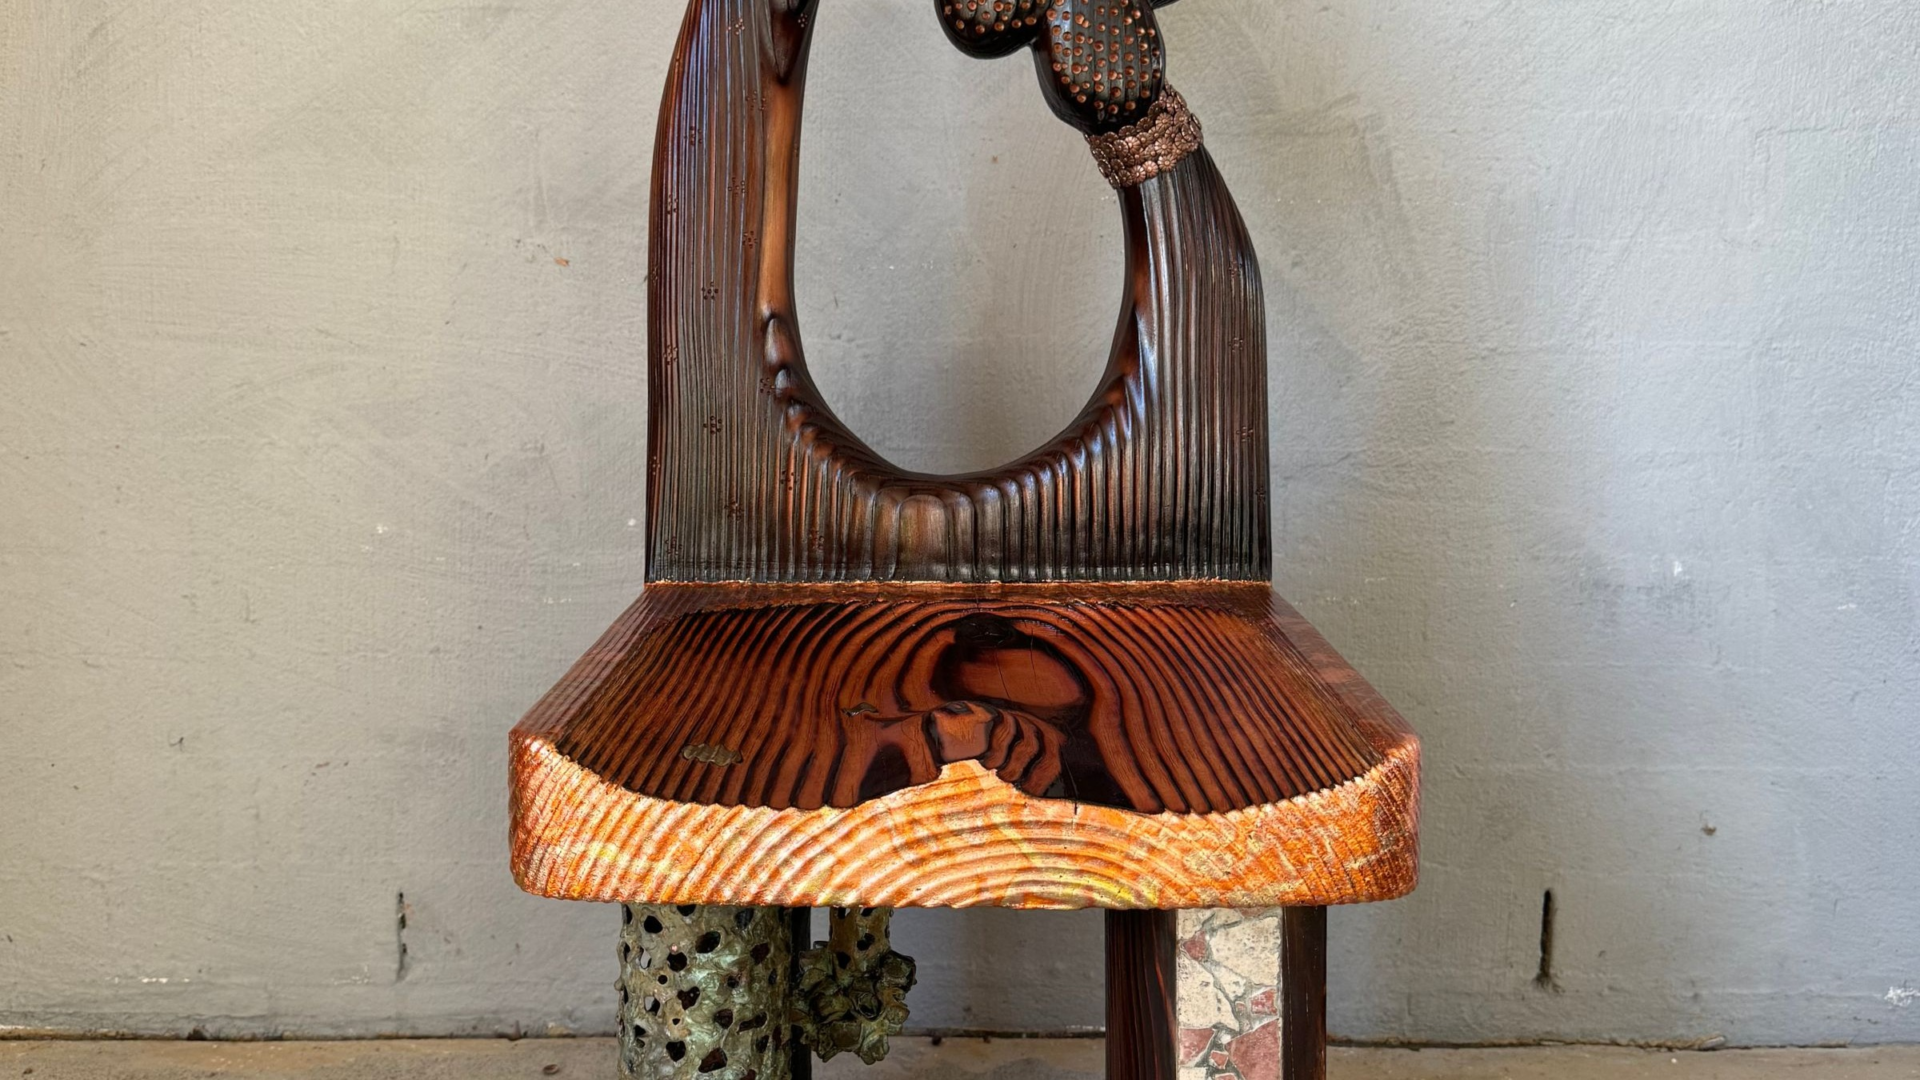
[1597, 445]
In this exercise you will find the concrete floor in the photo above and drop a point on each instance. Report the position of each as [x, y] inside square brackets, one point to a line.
[913, 1059]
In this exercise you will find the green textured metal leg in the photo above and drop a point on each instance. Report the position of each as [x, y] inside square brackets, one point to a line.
[705, 993]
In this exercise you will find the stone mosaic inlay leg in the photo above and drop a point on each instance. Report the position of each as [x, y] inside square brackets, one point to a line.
[1228, 998]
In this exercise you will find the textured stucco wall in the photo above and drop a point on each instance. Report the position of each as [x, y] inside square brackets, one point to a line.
[1597, 445]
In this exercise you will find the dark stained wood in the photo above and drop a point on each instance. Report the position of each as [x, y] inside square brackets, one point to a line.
[1101, 62]
[1303, 994]
[1182, 697]
[1140, 995]
[1163, 475]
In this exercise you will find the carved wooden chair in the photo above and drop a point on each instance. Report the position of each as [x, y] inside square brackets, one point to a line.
[1063, 683]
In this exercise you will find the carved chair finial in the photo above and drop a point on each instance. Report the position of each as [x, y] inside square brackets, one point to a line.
[1101, 62]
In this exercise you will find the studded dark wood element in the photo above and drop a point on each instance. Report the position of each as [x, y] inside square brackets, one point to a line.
[989, 28]
[1061, 683]
[1101, 62]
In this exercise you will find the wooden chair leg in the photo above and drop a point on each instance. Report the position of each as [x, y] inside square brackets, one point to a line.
[1140, 995]
[1250, 994]
[800, 935]
[1303, 993]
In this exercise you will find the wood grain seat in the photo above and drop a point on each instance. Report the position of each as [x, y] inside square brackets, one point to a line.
[1119, 745]
[1061, 683]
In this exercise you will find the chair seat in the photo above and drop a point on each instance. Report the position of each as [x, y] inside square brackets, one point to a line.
[1124, 745]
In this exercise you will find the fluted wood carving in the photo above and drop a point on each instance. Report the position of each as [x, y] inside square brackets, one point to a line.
[1162, 476]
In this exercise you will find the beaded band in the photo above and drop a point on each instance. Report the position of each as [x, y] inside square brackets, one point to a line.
[1141, 151]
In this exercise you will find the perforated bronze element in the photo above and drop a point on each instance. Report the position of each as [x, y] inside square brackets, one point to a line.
[704, 993]
[851, 994]
[1162, 139]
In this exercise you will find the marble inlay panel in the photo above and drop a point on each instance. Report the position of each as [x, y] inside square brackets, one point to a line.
[1228, 997]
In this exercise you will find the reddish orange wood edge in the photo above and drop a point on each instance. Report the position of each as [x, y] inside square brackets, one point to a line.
[970, 839]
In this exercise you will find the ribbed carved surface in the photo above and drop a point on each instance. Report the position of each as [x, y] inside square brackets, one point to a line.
[965, 840]
[1161, 477]
[969, 836]
[1168, 697]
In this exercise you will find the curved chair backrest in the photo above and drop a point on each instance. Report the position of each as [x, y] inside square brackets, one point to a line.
[751, 477]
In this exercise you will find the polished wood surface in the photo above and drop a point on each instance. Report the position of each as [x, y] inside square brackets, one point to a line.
[1140, 995]
[969, 836]
[1060, 683]
[1162, 476]
[1303, 994]
[1184, 697]
[1101, 63]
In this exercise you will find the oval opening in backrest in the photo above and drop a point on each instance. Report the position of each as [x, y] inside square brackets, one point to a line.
[957, 266]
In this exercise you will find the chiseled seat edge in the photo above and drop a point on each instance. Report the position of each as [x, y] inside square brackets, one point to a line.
[967, 838]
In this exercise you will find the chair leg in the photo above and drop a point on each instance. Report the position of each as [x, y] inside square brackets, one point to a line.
[1251, 994]
[1140, 995]
[704, 993]
[1303, 987]
[800, 934]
